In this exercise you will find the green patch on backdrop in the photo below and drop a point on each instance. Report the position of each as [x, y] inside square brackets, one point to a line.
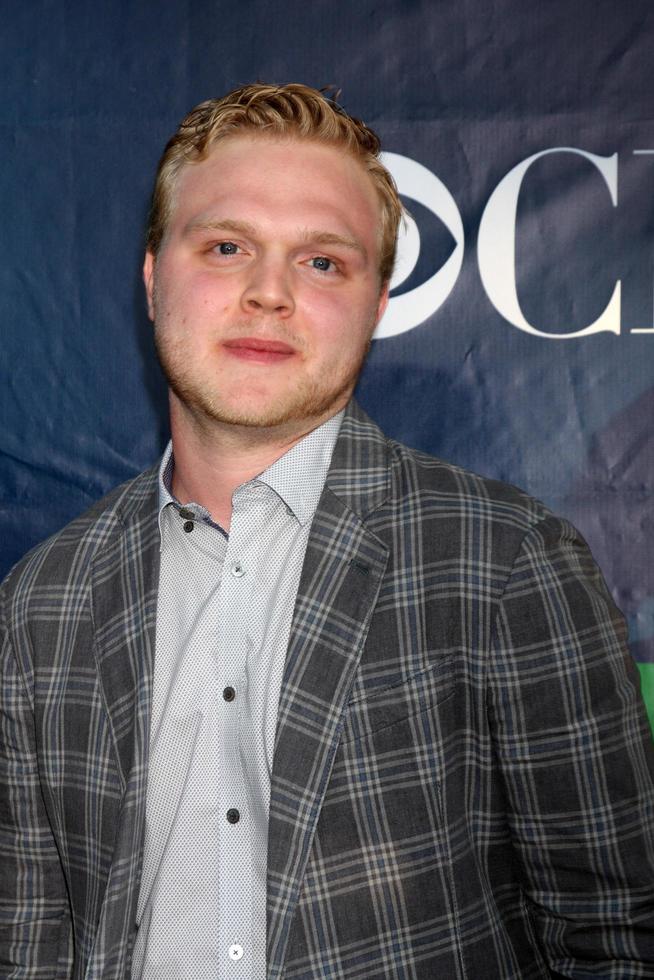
[647, 689]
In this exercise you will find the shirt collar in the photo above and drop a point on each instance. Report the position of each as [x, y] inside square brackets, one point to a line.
[298, 477]
[166, 478]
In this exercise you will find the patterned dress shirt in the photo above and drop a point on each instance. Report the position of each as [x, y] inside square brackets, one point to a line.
[223, 620]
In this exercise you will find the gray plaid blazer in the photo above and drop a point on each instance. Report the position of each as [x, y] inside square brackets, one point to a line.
[462, 777]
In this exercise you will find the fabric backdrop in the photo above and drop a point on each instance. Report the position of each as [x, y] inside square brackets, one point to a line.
[520, 336]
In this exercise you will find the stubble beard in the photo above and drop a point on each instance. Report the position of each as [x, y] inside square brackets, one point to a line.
[305, 401]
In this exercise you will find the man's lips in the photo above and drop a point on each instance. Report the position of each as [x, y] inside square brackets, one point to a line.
[258, 349]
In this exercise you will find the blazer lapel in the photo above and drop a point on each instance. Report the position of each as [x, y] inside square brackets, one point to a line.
[124, 599]
[124, 590]
[341, 577]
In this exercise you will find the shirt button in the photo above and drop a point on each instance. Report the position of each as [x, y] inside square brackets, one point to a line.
[237, 570]
[233, 816]
[229, 694]
[188, 526]
[235, 951]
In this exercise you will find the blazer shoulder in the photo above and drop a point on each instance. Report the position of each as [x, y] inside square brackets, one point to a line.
[389, 483]
[65, 556]
[433, 482]
[456, 513]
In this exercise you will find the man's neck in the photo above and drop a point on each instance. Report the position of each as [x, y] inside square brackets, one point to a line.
[211, 461]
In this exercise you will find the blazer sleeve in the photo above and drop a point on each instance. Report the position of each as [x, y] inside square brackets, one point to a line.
[573, 746]
[34, 911]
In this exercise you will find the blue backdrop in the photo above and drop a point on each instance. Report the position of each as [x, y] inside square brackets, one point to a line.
[506, 257]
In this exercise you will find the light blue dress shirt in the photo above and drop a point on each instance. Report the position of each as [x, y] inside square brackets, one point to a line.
[223, 621]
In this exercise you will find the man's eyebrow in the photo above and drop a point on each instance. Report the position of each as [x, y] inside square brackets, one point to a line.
[329, 238]
[245, 228]
[221, 224]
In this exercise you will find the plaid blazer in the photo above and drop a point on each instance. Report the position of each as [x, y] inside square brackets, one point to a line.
[462, 777]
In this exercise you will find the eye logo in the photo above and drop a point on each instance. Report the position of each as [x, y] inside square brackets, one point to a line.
[419, 184]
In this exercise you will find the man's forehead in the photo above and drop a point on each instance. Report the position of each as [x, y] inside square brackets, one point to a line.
[253, 146]
[239, 163]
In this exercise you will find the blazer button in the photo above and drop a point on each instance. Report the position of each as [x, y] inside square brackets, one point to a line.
[233, 816]
[229, 694]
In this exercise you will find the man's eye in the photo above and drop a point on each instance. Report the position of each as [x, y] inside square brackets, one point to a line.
[322, 263]
[228, 248]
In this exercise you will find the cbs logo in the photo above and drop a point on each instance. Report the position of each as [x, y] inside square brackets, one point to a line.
[495, 248]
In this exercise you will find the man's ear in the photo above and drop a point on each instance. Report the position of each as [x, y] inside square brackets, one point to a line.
[148, 282]
[383, 302]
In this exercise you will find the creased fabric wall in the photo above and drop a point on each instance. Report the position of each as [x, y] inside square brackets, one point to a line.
[520, 337]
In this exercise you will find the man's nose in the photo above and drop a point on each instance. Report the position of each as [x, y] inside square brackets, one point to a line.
[268, 288]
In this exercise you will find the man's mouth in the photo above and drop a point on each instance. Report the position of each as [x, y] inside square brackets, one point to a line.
[258, 349]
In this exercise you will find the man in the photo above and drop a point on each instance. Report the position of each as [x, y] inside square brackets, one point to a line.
[302, 702]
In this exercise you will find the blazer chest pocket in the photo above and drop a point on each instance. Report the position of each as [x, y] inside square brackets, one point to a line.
[381, 708]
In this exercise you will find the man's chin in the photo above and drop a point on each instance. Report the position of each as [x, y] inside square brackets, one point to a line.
[273, 417]
[299, 413]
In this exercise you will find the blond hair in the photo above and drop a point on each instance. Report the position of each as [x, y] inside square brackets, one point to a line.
[294, 111]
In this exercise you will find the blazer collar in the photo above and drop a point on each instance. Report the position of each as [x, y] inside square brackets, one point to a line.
[359, 474]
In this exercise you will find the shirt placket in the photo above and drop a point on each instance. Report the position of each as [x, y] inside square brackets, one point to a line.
[236, 820]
